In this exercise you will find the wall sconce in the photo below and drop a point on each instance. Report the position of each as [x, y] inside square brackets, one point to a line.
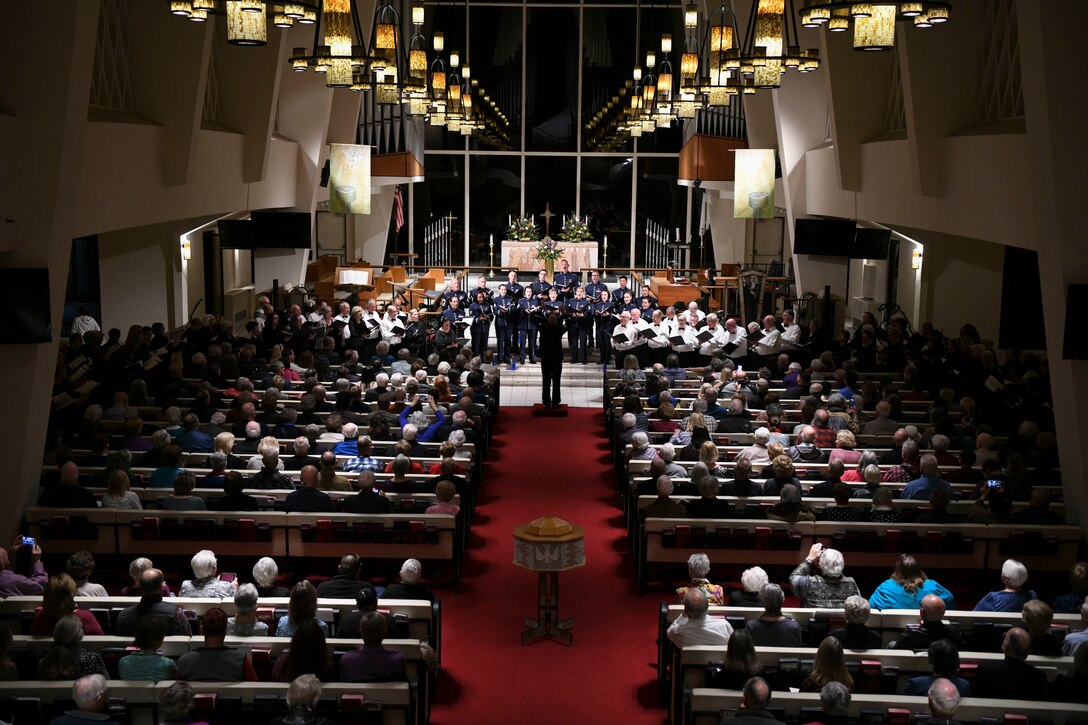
[916, 259]
[186, 250]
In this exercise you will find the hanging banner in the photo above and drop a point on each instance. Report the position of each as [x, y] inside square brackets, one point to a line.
[349, 179]
[753, 184]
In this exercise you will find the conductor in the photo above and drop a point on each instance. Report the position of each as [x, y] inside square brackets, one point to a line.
[550, 352]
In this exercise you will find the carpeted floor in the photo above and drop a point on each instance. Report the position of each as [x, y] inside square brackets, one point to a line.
[538, 467]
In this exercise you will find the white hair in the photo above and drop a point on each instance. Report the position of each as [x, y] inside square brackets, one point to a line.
[699, 565]
[939, 442]
[410, 571]
[1015, 572]
[457, 438]
[754, 579]
[265, 571]
[857, 609]
[245, 599]
[88, 689]
[350, 431]
[640, 440]
[761, 435]
[270, 456]
[409, 432]
[944, 698]
[628, 420]
[667, 452]
[203, 564]
[831, 563]
[381, 380]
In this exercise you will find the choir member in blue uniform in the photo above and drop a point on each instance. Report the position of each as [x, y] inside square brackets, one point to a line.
[617, 294]
[580, 322]
[514, 290]
[566, 281]
[540, 287]
[481, 314]
[602, 312]
[455, 314]
[454, 290]
[527, 307]
[593, 294]
[481, 286]
[505, 307]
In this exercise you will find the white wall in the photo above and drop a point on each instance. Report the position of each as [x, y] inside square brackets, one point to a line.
[128, 298]
[286, 265]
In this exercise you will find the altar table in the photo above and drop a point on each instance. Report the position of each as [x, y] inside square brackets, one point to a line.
[522, 255]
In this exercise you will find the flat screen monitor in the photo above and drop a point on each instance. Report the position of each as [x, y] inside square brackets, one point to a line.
[235, 234]
[871, 244]
[25, 294]
[281, 229]
[824, 237]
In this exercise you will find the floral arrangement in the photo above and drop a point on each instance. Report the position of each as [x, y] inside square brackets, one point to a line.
[522, 227]
[575, 229]
[548, 248]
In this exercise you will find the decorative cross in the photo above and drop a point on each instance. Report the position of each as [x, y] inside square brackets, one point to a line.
[548, 214]
[450, 217]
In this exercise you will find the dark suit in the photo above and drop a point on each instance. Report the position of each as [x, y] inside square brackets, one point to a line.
[408, 591]
[551, 362]
[1009, 680]
[921, 637]
[368, 502]
[373, 664]
[67, 495]
[734, 424]
[857, 636]
[748, 717]
[308, 500]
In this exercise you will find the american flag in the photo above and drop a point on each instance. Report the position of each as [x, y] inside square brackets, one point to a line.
[398, 209]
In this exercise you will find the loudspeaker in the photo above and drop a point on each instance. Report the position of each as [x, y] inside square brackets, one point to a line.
[325, 174]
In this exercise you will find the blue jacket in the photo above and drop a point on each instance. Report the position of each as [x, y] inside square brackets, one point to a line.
[423, 436]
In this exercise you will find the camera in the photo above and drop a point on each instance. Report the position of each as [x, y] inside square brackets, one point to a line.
[993, 483]
[29, 541]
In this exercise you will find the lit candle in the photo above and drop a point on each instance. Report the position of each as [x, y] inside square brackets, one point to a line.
[606, 241]
[509, 220]
[532, 219]
[492, 241]
[678, 233]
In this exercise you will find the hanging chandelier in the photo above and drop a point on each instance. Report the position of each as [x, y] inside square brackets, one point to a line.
[873, 22]
[771, 46]
[247, 20]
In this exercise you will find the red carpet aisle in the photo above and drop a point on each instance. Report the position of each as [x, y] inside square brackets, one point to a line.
[537, 467]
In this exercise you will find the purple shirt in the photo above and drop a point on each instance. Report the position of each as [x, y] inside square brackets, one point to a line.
[12, 584]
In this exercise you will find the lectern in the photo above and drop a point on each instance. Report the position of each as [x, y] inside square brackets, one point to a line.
[548, 545]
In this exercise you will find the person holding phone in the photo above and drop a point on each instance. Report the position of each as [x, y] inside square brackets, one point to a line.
[13, 584]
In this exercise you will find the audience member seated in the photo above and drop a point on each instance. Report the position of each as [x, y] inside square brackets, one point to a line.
[215, 662]
[146, 663]
[176, 704]
[366, 600]
[663, 507]
[58, 602]
[827, 590]
[944, 661]
[882, 510]
[152, 605]
[345, 584]
[1073, 686]
[835, 704]
[235, 500]
[444, 491]
[1074, 640]
[708, 506]
[118, 495]
[269, 476]
[856, 634]
[755, 700]
[370, 499]
[1013, 597]
[772, 628]
[844, 450]
[409, 587]
[740, 663]
[372, 662]
[752, 581]
[841, 510]
[301, 608]
[694, 627]
[921, 488]
[944, 700]
[182, 499]
[91, 694]
[80, 566]
[1038, 512]
[931, 627]
[1078, 584]
[265, 574]
[138, 566]
[66, 492]
[1038, 616]
[993, 505]
[244, 623]
[307, 655]
[163, 476]
[826, 487]
[938, 510]
[907, 586]
[829, 666]
[789, 507]
[205, 581]
[67, 659]
[1011, 678]
[301, 455]
[698, 570]
[328, 478]
[308, 498]
[303, 696]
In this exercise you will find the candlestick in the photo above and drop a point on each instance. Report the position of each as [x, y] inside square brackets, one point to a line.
[532, 219]
[678, 233]
[491, 256]
[606, 241]
[509, 221]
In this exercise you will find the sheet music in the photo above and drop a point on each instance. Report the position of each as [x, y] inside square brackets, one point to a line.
[354, 276]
